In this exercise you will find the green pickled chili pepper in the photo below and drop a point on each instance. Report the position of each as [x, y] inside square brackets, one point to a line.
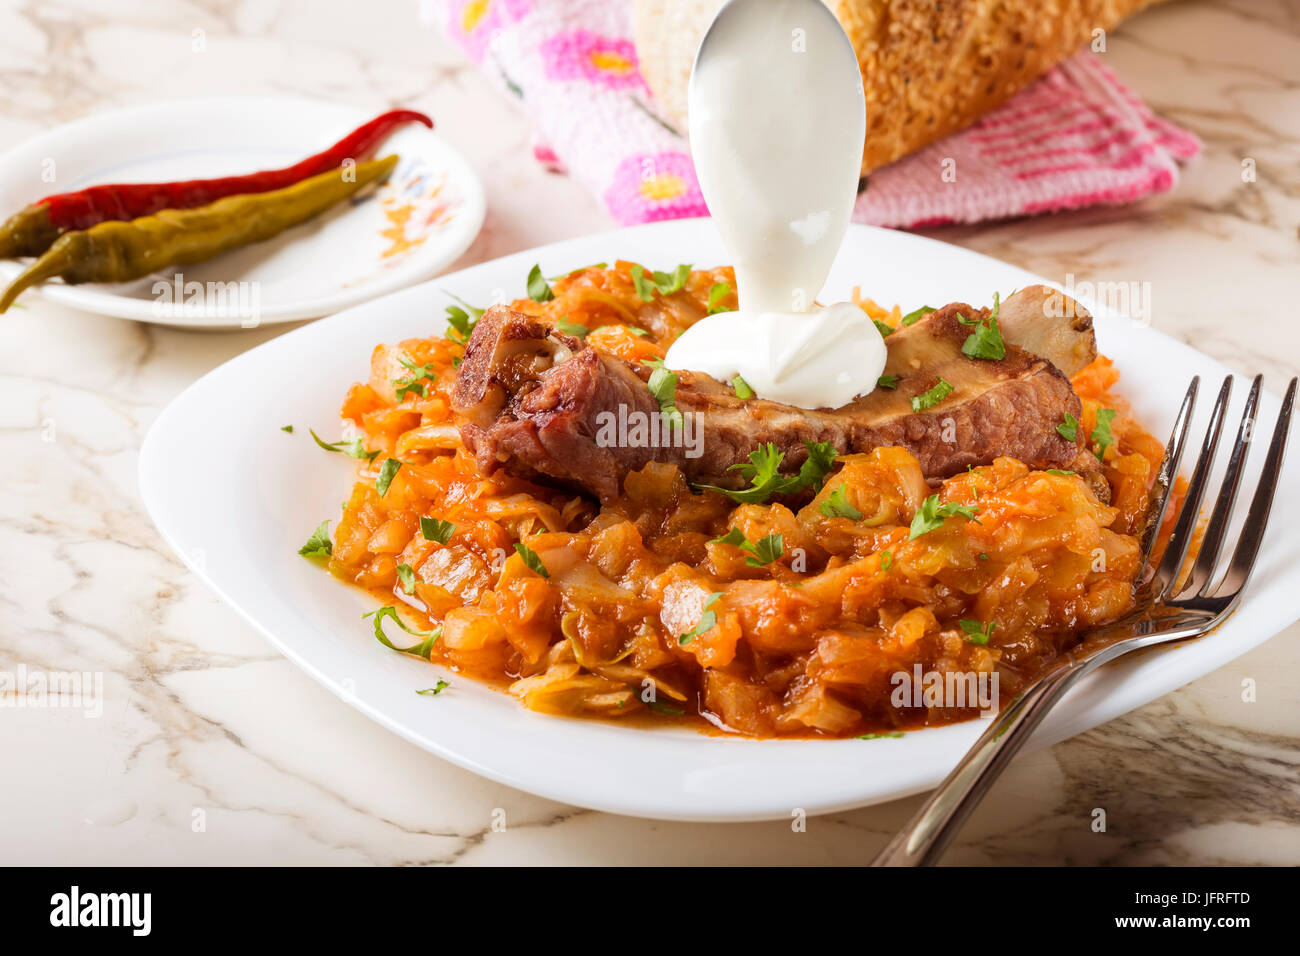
[28, 232]
[118, 251]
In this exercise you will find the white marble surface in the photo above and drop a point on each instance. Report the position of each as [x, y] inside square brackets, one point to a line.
[202, 721]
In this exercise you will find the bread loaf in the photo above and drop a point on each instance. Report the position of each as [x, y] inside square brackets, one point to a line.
[928, 68]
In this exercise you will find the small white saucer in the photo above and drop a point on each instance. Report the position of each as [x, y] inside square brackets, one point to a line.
[412, 227]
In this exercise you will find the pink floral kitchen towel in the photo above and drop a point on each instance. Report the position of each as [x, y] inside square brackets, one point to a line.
[1077, 137]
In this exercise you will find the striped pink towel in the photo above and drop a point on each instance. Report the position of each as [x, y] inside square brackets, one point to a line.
[1077, 137]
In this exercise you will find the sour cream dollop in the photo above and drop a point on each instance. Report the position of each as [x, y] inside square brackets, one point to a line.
[777, 125]
[819, 359]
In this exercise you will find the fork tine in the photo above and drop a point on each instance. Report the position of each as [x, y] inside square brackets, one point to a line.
[1164, 484]
[1252, 532]
[1203, 570]
[1176, 550]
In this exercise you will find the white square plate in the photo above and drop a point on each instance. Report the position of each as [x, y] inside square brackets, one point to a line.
[236, 497]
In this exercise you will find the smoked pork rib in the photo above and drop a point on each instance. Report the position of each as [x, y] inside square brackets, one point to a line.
[540, 404]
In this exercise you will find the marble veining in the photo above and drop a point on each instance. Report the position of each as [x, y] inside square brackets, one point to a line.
[211, 748]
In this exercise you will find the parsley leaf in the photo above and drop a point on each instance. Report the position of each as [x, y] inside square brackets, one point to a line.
[913, 317]
[986, 341]
[352, 447]
[412, 383]
[743, 391]
[977, 632]
[419, 371]
[1068, 429]
[461, 319]
[531, 559]
[387, 472]
[319, 544]
[815, 468]
[669, 282]
[734, 536]
[645, 288]
[663, 386]
[406, 577]
[422, 649]
[837, 505]
[1101, 436]
[707, 620]
[435, 690]
[931, 398]
[931, 515]
[665, 283]
[572, 328]
[435, 529]
[539, 290]
[764, 551]
[717, 292]
[762, 471]
[887, 381]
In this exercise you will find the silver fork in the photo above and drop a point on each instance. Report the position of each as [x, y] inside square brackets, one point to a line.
[1167, 610]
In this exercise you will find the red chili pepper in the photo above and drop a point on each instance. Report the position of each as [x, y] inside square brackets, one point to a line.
[87, 207]
[33, 229]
